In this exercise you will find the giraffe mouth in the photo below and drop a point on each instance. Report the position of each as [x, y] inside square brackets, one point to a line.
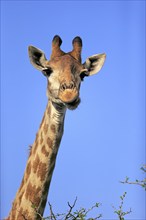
[70, 98]
[74, 104]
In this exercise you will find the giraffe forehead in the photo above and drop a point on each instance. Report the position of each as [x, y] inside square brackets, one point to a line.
[65, 63]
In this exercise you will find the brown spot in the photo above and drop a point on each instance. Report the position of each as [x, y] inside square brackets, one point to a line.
[49, 110]
[49, 142]
[41, 172]
[33, 194]
[39, 168]
[23, 214]
[44, 151]
[45, 128]
[36, 164]
[41, 140]
[35, 145]
[22, 184]
[28, 169]
[42, 121]
[53, 128]
[13, 213]
[37, 136]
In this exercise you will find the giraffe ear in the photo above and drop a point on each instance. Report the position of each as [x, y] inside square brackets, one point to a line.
[37, 58]
[94, 63]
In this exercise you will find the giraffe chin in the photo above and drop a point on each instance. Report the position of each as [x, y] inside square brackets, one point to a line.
[69, 105]
[70, 98]
[73, 105]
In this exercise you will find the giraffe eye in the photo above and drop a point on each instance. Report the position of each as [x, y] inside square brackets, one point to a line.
[83, 74]
[47, 71]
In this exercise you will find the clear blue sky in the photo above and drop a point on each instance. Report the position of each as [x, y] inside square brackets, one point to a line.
[104, 139]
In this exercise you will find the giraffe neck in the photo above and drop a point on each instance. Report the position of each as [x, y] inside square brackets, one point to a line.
[32, 195]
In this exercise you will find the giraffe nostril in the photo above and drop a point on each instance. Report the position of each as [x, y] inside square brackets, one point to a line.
[65, 86]
[72, 85]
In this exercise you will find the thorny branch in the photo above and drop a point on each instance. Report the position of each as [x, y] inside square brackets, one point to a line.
[52, 216]
[70, 210]
[141, 183]
[120, 211]
[80, 214]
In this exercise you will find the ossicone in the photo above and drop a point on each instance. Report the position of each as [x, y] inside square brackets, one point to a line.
[56, 43]
[77, 48]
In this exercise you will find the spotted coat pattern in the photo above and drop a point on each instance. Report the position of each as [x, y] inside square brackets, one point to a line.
[32, 195]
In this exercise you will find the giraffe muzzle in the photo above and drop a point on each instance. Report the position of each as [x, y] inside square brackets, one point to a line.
[68, 95]
[68, 92]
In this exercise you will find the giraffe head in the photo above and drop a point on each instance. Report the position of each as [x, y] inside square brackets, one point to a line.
[65, 71]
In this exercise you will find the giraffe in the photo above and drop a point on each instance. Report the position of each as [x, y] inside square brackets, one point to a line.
[64, 73]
